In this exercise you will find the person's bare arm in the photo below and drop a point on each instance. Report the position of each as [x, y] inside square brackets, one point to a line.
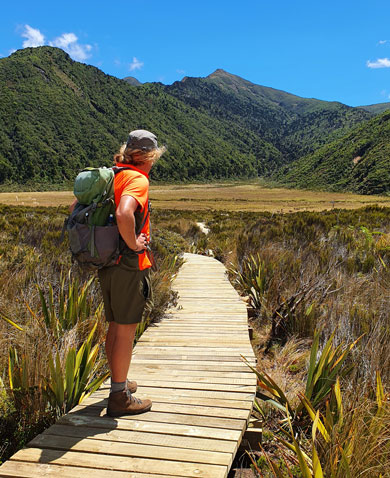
[126, 223]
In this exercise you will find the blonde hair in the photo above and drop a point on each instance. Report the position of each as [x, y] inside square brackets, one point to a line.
[138, 156]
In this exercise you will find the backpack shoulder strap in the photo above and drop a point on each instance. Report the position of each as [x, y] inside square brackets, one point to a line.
[144, 220]
[118, 169]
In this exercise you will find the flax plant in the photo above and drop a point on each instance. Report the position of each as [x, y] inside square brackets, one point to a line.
[74, 305]
[324, 370]
[348, 445]
[77, 378]
[252, 280]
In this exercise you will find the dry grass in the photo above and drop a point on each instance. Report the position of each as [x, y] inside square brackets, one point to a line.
[223, 197]
[287, 365]
[32, 255]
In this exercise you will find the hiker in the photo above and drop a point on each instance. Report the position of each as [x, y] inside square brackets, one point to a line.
[126, 286]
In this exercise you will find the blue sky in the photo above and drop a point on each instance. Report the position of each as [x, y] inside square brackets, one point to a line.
[334, 50]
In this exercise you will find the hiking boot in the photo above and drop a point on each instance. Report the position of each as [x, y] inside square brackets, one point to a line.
[124, 403]
[131, 386]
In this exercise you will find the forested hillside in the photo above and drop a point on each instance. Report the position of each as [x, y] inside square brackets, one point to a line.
[360, 161]
[294, 125]
[58, 116]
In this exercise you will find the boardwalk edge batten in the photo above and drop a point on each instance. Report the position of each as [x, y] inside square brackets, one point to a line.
[190, 364]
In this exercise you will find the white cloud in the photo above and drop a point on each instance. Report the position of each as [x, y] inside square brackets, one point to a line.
[135, 64]
[181, 72]
[379, 63]
[383, 42]
[33, 37]
[69, 43]
[64, 40]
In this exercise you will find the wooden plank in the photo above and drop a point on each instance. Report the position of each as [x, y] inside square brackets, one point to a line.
[186, 286]
[194, 376]
[235, 362]
[193, 356]
[198, 374]
[206, 321]
[183, 341]
[134, 424]
[180, 399]
[144, 438]
[231, 419]
[208, 318]
[198, 340]
[215, 350]
[201, 330]
[205, 339]
[228, 316]
[120, 463]
[137, 450]
[203, 326]
[143, 364]
[179, 392]
[183, 328]
[217, 417]
[21, 469]
[186, 385]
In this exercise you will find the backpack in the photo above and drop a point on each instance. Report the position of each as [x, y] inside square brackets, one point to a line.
[94, 239]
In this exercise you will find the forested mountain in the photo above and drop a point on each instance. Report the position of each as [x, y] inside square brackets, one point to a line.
[294, 125]
[58, 115]
[360, 161]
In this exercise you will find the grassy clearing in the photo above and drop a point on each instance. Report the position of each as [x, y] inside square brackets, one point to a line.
[236, 196]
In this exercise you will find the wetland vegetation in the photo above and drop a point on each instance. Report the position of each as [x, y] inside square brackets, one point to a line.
[308, 277]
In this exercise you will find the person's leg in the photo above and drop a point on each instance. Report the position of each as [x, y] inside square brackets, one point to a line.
[119, 347]
[124, 301]
[110, 347]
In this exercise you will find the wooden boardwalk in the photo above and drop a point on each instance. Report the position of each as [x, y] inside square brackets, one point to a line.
[189, 364]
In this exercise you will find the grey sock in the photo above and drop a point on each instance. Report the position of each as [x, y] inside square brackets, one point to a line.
[118, 386]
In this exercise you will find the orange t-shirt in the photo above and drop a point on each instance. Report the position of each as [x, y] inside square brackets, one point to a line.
[135, 183]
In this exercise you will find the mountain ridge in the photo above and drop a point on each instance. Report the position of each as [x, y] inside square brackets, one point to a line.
[292, 124]
[132, 81]
[58, 115]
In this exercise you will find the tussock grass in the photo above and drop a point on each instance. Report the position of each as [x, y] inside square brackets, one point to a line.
[325, 270]
[36, 277]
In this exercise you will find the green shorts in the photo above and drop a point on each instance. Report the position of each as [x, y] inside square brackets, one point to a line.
[126, 291]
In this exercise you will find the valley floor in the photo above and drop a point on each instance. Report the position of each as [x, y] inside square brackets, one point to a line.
[222, 197]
